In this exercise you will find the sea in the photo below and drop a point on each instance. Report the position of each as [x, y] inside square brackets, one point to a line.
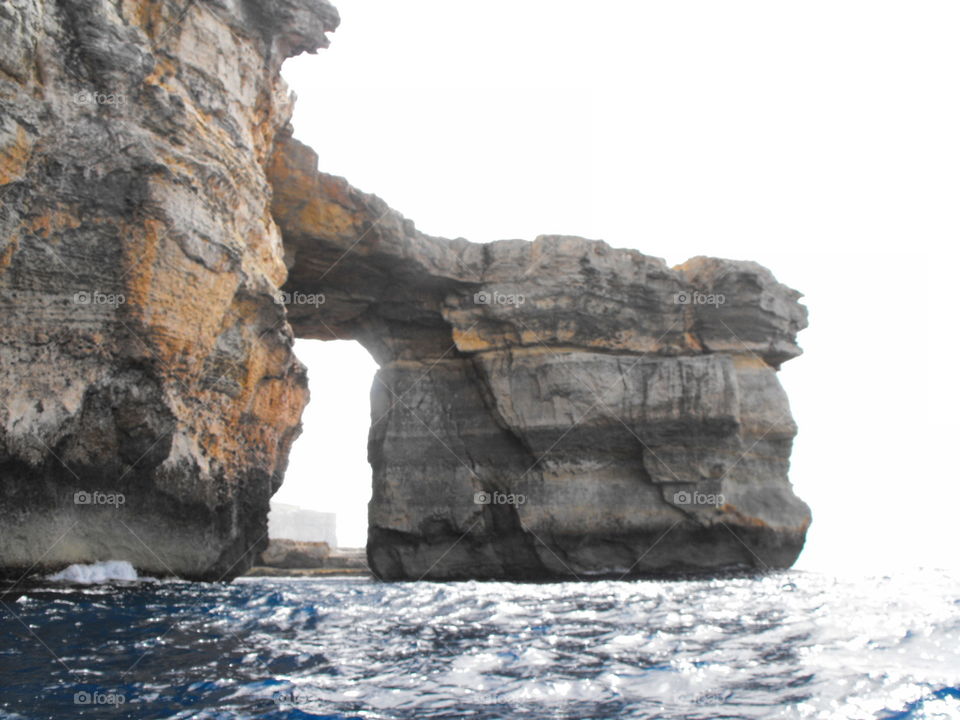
[790, 644]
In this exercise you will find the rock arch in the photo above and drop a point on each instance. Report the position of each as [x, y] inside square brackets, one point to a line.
[154, 204]
[599, 386]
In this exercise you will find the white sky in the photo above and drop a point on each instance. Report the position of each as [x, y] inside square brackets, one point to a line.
[821, 139]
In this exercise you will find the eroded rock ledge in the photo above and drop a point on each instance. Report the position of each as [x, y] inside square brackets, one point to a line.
[621, 416]
[149, 395]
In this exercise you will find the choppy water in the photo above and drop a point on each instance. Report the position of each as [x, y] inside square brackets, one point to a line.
[791, 645]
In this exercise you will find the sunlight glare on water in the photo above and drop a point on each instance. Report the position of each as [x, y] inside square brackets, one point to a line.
[786, 645]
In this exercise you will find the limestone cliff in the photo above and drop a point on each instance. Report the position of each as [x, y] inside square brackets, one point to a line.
[148, 393]
[555, 408]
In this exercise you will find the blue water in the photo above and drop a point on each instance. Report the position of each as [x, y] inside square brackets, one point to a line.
[786, 645]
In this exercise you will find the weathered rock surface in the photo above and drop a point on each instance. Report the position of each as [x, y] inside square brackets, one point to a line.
[289, 557]
[142, 355]
[282, 553]
[546, 409]
[550, 409]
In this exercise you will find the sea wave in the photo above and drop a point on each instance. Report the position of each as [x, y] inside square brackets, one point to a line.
[96, 573]
[783, 645]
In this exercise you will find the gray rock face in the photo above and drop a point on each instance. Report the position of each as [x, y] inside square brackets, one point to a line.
[554, 409]
[148, 392]
[546, 409]
[281, 553]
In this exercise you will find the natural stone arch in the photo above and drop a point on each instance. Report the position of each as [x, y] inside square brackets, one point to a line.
[585, 385]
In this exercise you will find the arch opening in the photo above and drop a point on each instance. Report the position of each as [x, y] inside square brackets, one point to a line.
[328, 481]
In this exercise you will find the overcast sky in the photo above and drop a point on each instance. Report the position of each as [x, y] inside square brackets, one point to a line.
[821, 139]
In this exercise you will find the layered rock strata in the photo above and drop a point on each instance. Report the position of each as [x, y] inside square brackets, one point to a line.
[546, 409]
[148, 392]
[550, 409]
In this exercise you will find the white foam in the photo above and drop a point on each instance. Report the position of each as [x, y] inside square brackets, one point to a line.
[100, 572]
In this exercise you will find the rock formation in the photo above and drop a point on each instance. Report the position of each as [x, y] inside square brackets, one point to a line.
[143, 357]
[286, 554]
[555, 408]
[308, 559]
[546, 409]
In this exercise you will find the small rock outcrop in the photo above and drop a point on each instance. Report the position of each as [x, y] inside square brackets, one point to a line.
[281, 553]
[294, 558]
[555, 408]
[546, 409]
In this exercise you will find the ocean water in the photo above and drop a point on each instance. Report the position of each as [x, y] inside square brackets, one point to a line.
[783, 645]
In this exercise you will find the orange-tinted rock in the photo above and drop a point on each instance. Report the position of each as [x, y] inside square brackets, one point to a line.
[148, 392]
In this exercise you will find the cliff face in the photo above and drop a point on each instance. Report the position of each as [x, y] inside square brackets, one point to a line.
[555, 408]
[548, 409]
[148, 393]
